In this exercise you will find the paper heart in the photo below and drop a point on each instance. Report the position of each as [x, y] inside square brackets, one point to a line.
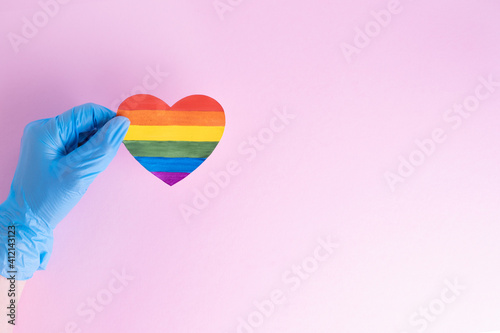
[171, 142]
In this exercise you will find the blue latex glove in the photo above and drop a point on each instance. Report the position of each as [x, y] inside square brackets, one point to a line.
[59, 159]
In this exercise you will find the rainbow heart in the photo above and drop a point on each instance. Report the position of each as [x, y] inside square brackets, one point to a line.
[171, 142]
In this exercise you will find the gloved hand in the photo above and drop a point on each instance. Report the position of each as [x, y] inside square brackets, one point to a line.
[59, 159]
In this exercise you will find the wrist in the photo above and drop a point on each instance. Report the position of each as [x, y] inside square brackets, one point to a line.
[25, 244]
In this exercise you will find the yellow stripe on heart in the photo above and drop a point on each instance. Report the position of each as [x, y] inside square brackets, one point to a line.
[174, 133]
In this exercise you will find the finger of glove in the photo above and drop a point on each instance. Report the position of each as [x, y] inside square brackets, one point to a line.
[76, 124]
[90, 159]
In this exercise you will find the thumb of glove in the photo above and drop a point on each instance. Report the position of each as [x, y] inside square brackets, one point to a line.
[87, 161]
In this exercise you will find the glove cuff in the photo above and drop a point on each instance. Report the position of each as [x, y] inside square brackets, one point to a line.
[25, 243]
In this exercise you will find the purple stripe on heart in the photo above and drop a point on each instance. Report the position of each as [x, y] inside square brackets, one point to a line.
[171, 177]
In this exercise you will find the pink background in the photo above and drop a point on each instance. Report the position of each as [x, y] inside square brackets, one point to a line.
[322, 175]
